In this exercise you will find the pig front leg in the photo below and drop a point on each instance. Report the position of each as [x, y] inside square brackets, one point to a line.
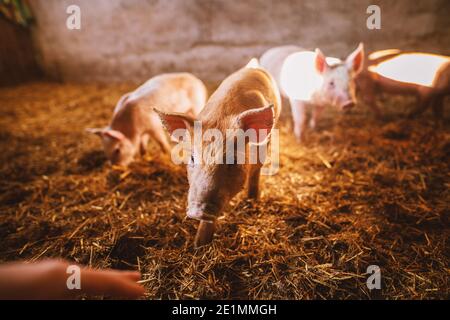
[438, 108]
[161, 138]
[205, 233]
[143, 144]
[423, 101]
[157, 132]
[253, 184]
[299, 116]
[316, 113]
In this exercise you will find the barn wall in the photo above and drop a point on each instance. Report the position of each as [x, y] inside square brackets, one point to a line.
[17, 59]
[123, 40]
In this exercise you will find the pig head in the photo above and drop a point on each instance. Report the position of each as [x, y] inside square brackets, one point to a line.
[213, 180]
[338, 86]
[117, 147]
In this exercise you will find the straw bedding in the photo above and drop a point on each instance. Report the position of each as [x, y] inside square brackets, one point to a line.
[360, 192]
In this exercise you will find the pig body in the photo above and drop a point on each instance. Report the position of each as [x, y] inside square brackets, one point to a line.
[366, 87]
[134, 120]
[311, 81]
[272, 60]
[248, 99]
[404, 79]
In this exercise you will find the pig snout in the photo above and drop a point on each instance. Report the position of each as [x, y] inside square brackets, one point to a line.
[345, 101]
[201, 211]
[120, 153]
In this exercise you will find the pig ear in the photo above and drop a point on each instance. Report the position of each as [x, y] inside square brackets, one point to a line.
[258, 119]
[355, 61]
[321, 62]
[113, 134]
[96, 131]
[106, 132]
[175, 121]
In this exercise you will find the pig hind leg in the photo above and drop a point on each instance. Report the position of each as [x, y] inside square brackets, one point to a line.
[423, 102]
[299, 116]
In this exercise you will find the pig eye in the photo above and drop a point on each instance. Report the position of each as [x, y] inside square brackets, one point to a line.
[331, 84]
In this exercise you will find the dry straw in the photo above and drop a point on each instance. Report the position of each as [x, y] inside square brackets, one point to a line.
[359, 192]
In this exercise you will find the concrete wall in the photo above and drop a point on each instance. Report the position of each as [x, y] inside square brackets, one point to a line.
[123, 40]
[17, 61]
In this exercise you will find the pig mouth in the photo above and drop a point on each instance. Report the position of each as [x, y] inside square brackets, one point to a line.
[201, 214]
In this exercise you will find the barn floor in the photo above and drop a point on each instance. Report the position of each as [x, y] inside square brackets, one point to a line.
[360, 192]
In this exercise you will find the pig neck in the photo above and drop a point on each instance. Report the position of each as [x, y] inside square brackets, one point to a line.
[128, 120]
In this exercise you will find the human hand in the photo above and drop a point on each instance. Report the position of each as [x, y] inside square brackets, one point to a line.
[47, 280]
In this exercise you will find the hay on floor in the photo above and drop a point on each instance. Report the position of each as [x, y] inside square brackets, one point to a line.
[360, 192]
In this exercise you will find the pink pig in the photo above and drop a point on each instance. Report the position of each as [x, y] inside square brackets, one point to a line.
[247, 100]
[425, 76]
[309, 79]
[135, 121]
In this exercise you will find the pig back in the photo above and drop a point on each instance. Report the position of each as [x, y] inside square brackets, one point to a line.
[248, 88]
[172, 92]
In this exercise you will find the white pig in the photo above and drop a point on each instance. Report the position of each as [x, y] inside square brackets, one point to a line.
[248, 99]
[309, 79]
[423, 75]
[135, 121]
